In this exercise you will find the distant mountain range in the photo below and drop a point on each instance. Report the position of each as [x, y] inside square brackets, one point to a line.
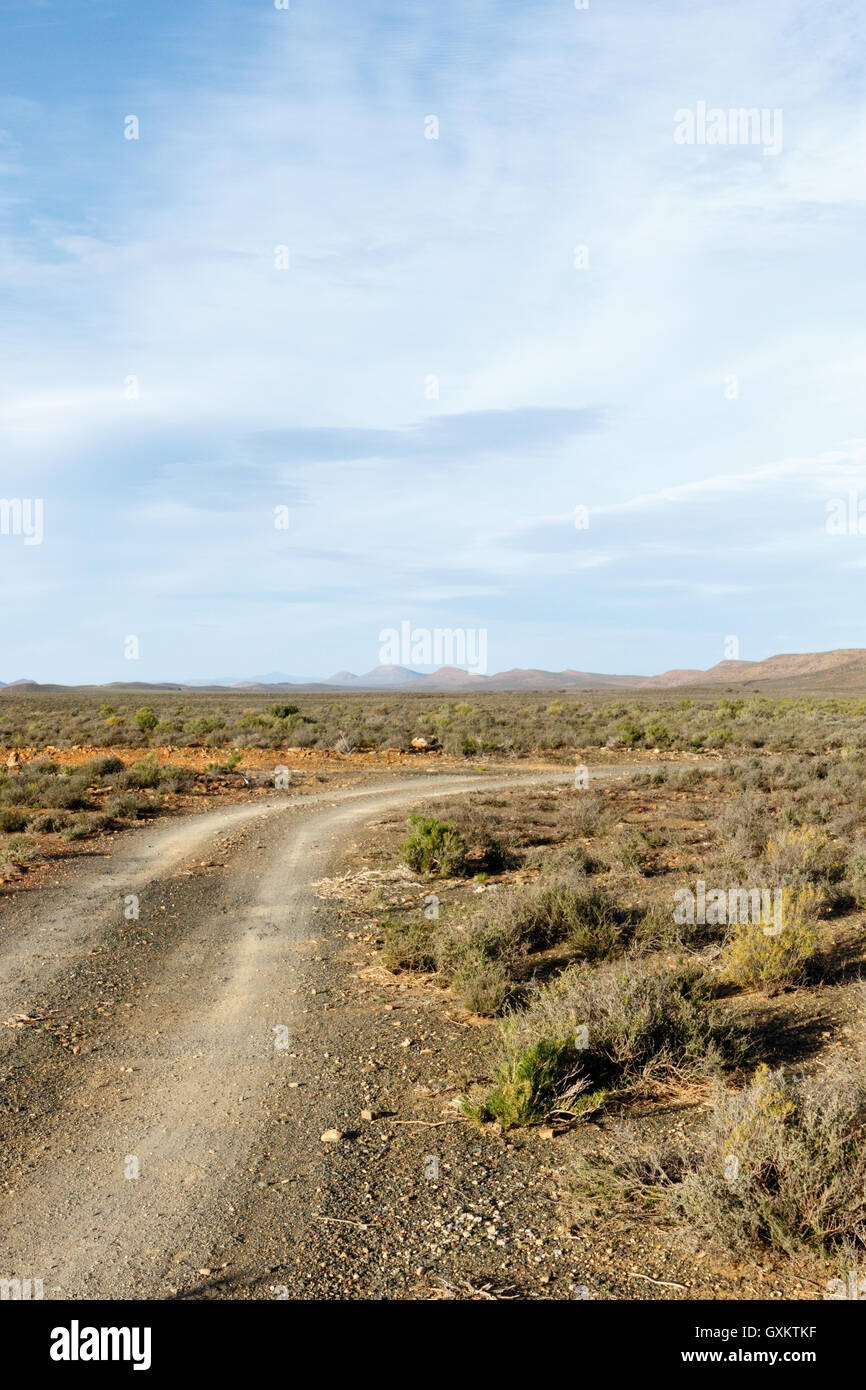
[839, 670]
[843, 666]
[455, 678]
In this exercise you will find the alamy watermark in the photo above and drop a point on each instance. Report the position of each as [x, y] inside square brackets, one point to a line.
[77, 1343]
[439, 646]
[21, 1290]
[846, 516]
[23, 516]
[738, 125]
[853, 1286]
[762, 907]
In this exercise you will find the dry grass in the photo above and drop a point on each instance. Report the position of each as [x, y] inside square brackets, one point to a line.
[594, 1034]
[655, 1002]
[483, 725]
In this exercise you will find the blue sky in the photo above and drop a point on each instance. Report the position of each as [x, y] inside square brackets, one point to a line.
[607, 386]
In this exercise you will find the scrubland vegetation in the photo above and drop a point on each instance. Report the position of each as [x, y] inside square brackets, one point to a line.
[781, 1164]
[601, 992]
[602, 932]
[463, 725]
[42, 799]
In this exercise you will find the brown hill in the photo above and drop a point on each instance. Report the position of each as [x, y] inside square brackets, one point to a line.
[450, 678]
[806, 668]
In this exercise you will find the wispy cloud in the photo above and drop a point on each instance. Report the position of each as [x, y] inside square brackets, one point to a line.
[436, 381]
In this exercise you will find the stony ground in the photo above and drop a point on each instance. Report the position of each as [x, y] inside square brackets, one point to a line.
[292, 1106]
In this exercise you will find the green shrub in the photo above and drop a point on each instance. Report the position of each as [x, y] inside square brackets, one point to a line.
[601, 1031]
[202, 725]
[488, 939]
[19, 849]
[530, 1082]
[584, 918]
[78, 830]
[12, 821]
[144, 773]
[69, 793]
[628, 848]
[630, 735]
[659, 735]
[102, 767]
[433, 848]
[146, 718]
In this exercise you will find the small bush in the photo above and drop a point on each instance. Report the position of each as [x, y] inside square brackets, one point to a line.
[590, 921]
[783, 1165]
[514, 921]
[630, 735]
[483, 986]
[43, 767]
[531, 1081]
[69, 793]
[586, 813]
[491, 938]
[128, 806]
[98, 768]
[407, 946]
[742, 827]
[140, 775]
[433, 848]
[855, 873]
[46, 823]
[20, 849]
[487, 850]
[79, 830]
[222, 769]
[604, 1030]
[146, 718]
[12, 821]
[560, 911]
[175, 779]
[799, 855]
[659, 735]
[629, 848]
[771, 958]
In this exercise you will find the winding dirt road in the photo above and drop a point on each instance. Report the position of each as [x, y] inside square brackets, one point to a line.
[137, 1056]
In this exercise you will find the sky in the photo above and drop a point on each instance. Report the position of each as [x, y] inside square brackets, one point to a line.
[429, 313]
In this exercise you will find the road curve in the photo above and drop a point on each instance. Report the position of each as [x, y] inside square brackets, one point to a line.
[119, 1150]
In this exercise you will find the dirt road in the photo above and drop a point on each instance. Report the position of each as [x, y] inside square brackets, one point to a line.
[140, 1057]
